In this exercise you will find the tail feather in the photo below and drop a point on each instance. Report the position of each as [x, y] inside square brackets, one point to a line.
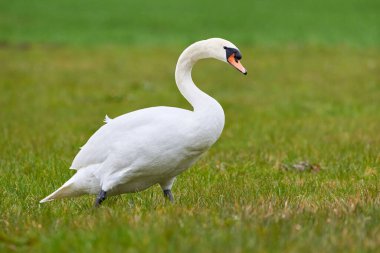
[81, 183]
[65, 190]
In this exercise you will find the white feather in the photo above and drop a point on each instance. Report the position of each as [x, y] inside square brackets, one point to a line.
[107, 119]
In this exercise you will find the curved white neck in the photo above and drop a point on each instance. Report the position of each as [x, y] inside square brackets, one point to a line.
[199, 100]
[207, 109]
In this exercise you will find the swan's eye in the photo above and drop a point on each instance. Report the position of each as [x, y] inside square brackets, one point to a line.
[238, 56]
[232, 51]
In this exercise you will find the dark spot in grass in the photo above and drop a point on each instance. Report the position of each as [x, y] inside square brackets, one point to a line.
[303, 166]
[18, 46]
[4, 44]
[24, 46]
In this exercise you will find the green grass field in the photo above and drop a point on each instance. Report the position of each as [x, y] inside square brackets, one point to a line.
[88, 22]
[312, 94]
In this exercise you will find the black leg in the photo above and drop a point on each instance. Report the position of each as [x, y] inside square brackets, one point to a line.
[168, 194]
[100, 198]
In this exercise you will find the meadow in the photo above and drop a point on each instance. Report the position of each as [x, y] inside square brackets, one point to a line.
[312, 94]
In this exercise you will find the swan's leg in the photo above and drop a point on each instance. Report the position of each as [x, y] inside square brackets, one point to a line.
[168, 194]
[100, 198]
[166, 186]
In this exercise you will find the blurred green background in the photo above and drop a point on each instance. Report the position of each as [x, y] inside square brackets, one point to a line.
[173, 22]
[312, 94]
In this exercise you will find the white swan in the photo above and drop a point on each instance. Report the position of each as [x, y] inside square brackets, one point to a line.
[139, 149]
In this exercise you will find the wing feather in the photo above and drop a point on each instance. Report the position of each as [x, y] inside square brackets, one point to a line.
[102, 143]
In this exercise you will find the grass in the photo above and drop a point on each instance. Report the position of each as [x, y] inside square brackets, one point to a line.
[297, 103]
[312, 94]
[277, 22]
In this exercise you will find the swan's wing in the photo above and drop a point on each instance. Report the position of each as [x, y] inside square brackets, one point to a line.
[102, 142]
[96, 150]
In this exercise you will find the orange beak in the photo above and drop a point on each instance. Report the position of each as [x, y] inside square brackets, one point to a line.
[236, 63]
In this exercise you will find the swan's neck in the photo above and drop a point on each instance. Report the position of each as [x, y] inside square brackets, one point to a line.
[207, 109]
[200, 101]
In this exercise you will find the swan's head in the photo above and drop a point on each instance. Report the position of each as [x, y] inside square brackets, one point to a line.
[226, 51]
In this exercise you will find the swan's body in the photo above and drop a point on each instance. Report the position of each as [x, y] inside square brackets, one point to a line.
[139, 149]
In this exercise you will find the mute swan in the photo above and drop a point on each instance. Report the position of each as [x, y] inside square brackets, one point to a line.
[139, 149]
